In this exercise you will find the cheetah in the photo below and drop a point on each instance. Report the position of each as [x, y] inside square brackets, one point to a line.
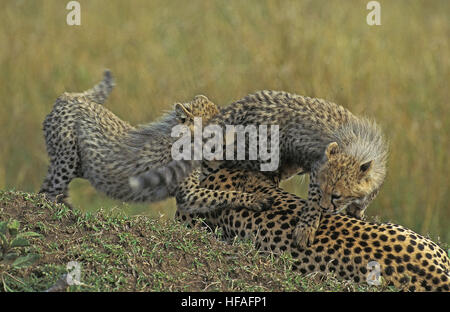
[346, 246]
[348, 153]
[86, 140]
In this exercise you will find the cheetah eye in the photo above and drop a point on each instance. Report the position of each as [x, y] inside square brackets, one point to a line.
[335, 196]
[365, 167]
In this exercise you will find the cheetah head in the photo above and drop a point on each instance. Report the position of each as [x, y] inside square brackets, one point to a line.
[340, 180]
[200, 106]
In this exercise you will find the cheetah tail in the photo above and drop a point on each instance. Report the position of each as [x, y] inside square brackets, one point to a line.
[100, 92]
[169, 176]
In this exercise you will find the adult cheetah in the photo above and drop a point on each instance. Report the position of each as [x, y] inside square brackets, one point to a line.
[347, 246]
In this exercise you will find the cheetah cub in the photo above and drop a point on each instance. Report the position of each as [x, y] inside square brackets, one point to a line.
[86, 140]
[346, 153]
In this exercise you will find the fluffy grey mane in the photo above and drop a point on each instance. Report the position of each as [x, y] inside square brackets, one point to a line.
[159, 129]
[362, 138]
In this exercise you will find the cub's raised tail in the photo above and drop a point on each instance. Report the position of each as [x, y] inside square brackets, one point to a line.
[100, 92]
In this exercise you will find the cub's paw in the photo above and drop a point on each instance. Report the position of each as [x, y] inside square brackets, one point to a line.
[62, 199]
[305, 231]
[265, 203]
[303, 235]
[258, 203]
[356, 211]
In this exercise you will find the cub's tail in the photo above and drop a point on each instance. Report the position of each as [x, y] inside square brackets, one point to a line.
[100, 92]
[168, 176]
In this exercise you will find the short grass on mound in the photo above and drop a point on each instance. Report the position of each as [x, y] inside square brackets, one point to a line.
[115, 252]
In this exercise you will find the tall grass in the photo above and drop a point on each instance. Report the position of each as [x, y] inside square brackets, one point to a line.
[167, 51]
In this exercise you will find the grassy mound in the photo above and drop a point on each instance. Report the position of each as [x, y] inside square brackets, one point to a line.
[115, 252]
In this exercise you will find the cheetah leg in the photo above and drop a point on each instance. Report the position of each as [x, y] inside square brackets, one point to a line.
[192, 198]
[60, 174]
[53, 189]
[305, 230]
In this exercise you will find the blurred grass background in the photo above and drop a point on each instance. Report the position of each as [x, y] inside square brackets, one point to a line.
[164, 51]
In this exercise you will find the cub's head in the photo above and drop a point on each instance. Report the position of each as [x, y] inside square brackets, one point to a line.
[341, 179]
[200, 106]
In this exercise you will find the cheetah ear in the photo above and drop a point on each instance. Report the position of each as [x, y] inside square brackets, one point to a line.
[201, 98]
[332, 150]
[183, 112]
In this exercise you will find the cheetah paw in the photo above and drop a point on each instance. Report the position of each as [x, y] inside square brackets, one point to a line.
[260, 203]
[266, 203]
[304, 234]
[356, 211]
[61, 199]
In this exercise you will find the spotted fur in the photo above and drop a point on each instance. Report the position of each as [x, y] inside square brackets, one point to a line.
[347, 153]
[86, 140]
[343, 245]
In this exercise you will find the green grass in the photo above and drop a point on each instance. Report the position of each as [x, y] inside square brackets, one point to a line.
[162, 52]
[117, 252]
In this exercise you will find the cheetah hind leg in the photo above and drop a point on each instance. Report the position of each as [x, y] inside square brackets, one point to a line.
[56, 183]
[53, 194]
[305, 230]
